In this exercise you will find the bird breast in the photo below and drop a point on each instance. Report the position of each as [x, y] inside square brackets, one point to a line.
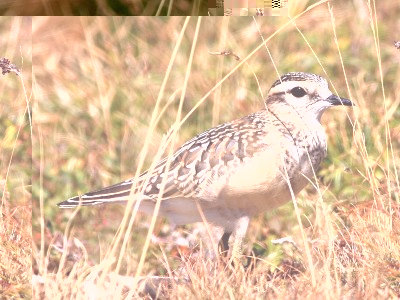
[270, 178]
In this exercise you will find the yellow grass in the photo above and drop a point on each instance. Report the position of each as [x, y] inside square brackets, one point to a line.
[15, 160]
[102, 114]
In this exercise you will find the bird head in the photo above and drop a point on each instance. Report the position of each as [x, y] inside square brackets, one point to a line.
[308, 94]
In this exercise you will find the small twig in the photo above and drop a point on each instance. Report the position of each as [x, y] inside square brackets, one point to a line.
[7, 67]
[226, 53]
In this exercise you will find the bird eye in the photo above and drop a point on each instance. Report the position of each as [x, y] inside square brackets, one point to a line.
[298, 92]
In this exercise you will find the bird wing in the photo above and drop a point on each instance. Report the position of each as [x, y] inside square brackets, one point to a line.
[194, 166]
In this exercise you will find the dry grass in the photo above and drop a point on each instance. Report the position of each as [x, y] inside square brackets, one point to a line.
[97, 83]
[15, 160]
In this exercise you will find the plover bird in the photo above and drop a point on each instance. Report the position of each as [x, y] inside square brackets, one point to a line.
[241, 168]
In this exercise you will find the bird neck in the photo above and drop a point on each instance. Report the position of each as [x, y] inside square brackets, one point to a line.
[299, 119]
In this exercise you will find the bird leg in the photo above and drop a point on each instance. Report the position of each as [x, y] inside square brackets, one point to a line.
[239, 233]
[223, 245]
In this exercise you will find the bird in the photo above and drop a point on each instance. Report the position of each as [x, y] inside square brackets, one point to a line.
[238, 169]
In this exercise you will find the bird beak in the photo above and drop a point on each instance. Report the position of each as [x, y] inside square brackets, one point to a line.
[336, 100]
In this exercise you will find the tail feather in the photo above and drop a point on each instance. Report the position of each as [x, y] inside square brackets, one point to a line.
[116, 193]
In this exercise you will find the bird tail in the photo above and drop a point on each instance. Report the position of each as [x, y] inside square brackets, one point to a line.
[113, 194]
